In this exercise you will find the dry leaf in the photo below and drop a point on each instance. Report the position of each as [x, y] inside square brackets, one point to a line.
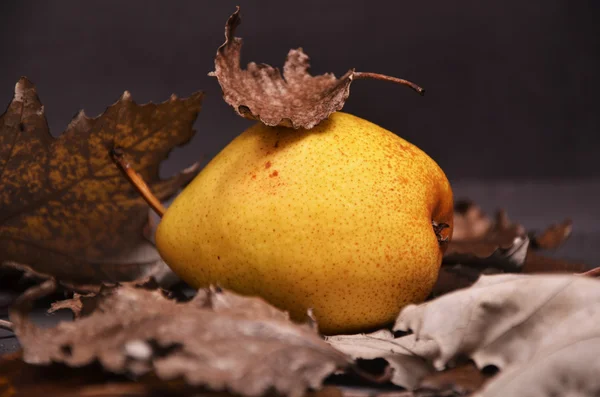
[407, 358]
[470, 222]
[218, 339]
[451, 278]
[459, 381]
[570, 369]
[296, 99]
[479, 241]
[532, 327]
[19, 379]
[553, 237]
[65, 208]
[408, 364]
[504, 320]
[536, 263]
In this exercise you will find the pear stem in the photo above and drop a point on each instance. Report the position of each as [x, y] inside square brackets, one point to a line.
[121, 160]
[377, 76]
[437, 229]
[7, 325]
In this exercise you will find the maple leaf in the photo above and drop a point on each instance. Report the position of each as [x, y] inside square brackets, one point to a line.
[218, 339]
[65, 208]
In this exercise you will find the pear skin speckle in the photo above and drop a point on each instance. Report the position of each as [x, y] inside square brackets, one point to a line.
[337, 218]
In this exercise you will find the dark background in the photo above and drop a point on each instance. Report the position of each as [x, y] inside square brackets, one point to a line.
[512, 86]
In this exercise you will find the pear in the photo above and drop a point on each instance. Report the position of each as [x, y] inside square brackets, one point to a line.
[347, 219]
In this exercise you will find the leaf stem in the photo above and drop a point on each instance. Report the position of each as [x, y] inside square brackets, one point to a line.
[120, 158]
[378, 76]
[7, 325]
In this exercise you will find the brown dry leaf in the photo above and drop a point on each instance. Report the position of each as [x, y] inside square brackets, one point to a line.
[65, 208]
[536, 263]
[470, 222]
[219, 340]
[296, 99]
[553, 237]
[451, 278]
[462, 380]
[501, 245]
[480, 241]
[19, 379]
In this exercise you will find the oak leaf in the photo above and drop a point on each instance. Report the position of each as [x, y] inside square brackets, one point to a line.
[65, 208]
[218, 339]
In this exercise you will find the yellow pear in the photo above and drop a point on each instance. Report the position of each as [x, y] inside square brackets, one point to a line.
[339, 218]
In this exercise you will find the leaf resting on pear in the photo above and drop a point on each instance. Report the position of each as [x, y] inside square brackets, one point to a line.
[218, 339]
[65, 208]
[260, 92]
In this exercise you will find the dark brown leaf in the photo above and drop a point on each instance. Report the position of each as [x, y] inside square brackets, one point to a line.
[19, 379]
[459, 381]
[453, 277]
[480, 242]
[553, 237]
[476, 235]
[296, 99]
[537, 263]
[219, 340]
[65, 208]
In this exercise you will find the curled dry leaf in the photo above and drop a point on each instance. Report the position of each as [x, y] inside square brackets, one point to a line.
[505, 320]
[569, 369]
[501, 245]
[218, 339]
[296, 99]
[408, 359]
[553, 237]
[485, 243]
[537, 263]
[19, 379]
[540, 330]
[65, 208]
[451, 278]
[408, 364]
[462, 380]
[479, 241]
